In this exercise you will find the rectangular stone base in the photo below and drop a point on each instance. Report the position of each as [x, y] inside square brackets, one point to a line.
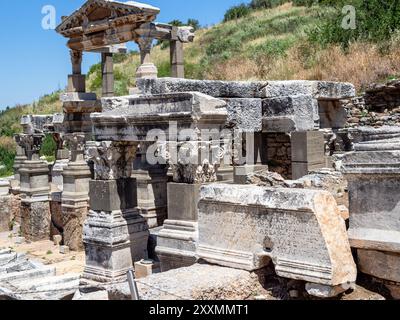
[113, 242]
[5, 213]
[35, 220]
[182, 201]
[76, 83]
[379, 264]
[177, 244]
[73, 219]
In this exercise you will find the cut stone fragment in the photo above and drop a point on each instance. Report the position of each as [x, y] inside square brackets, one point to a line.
[300, 230]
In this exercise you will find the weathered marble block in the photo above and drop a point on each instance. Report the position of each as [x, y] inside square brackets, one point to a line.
[308, 152]
[321, 90]
[300, 230]
[214, 88]
[373, 173]
[177, 241]
[115, 234]
[289, 113]
[130, 118]
[245, 114]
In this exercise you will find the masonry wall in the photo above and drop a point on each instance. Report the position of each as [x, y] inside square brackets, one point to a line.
[279, 154]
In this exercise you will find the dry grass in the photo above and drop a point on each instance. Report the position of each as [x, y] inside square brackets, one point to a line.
[363, 64]
[7, 143]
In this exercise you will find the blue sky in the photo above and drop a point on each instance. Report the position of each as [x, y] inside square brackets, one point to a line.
[35, 61]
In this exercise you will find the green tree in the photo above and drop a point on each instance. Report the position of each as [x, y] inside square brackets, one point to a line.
[237, 12]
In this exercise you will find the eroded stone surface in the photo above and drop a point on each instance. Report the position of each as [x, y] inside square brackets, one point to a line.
[300, 230]
[197, 282]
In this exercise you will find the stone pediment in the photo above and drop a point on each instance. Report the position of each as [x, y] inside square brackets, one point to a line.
[99, 23]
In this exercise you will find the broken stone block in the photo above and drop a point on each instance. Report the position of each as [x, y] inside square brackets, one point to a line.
[302, 232]
[64, 249]
[197, 282]
[20, 240]
[6, 215]
[321, 90]
[245, 114]
[57, 240]
[4, 187]
[214, 88]
[145, 268]
[289, 113]
[373, 175]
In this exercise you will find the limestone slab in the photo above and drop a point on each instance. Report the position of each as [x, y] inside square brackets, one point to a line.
[300, 230]
[289, 113]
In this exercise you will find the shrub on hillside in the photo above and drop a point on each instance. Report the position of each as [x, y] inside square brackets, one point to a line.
[376, 21]
[237, 12]
[7, 155]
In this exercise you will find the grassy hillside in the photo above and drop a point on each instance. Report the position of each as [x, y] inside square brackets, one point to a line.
[284, 42]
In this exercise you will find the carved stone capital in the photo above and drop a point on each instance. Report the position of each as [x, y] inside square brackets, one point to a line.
[76, 60]
[194, 162]
[145, 44]
[31, 143]
[75, 142]
[112, 160]
[185, 34]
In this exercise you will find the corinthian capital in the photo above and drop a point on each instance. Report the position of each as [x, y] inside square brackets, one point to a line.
[112, 160]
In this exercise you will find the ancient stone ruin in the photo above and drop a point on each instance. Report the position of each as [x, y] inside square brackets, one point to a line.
[207, 189]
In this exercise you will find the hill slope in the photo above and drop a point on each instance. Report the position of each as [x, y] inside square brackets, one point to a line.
[267, 44]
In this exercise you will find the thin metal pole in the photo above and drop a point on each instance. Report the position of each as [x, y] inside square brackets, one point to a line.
[133, 285]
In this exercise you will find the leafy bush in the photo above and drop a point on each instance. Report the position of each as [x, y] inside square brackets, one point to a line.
[49, 148]
[7, 155]
[376, 21]
[266, 4]
[237, 12]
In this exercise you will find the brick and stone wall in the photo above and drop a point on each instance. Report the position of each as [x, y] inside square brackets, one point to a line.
[379, 106]
[279, 154]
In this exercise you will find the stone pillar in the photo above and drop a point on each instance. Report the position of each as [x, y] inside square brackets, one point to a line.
[177, 241]
[115, 234]
[75, 194]
[6, 215]
[147, 69]
[19, 160]
[308, 152]
[176, 55]
[373, 174]
[107, 69]
[151, 182]
[76, 80]
[35, 189]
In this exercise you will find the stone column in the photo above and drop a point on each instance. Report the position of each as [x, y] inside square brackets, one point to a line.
[177, 241]
[75, 194]
[373, 174]
[107, 67]
[115, 234]
[6, 215]
[35, 188]
[76, 80]
[19, 160]
[176, 55]
[147, 69]
[151, 181]
[308, 152]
